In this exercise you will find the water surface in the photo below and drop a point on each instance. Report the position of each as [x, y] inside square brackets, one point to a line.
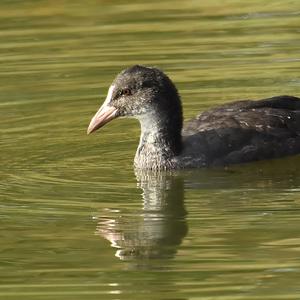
[77, 220]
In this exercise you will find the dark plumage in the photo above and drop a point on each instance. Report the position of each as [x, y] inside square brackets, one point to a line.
[233, 133]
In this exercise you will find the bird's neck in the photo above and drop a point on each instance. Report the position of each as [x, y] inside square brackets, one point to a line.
[160, 142]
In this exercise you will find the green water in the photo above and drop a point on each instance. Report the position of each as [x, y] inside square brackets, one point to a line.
[76, 221]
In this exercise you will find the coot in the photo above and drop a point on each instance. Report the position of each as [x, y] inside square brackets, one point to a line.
[237, 132]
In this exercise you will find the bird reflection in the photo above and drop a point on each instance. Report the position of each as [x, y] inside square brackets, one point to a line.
[158, 229]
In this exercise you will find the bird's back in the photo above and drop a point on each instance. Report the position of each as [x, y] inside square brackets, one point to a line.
[245, 131]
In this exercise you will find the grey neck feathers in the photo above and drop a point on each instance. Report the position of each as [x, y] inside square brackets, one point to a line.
[160, 141]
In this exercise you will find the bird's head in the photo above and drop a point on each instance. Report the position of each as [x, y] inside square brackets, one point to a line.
[137, 92]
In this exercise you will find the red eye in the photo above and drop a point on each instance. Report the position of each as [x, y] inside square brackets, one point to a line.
[126, 92]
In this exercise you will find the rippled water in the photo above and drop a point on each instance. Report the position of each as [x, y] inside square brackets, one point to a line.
[77, 221]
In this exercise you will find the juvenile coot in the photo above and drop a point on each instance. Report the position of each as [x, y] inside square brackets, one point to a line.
[237, 132]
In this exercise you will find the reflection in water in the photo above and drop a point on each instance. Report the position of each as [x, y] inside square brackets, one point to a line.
[155, 232]
[159, 228]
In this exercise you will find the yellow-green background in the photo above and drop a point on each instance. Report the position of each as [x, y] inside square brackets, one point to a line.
[61, 190]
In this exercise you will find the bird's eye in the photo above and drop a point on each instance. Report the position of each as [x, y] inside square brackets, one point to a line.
[126, 92]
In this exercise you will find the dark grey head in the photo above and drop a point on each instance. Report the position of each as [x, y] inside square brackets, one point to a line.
[143, 93]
